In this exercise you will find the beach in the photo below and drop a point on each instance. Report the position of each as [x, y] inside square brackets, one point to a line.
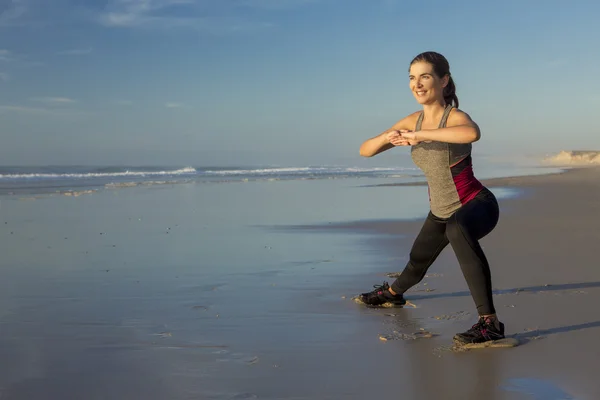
[244, 290]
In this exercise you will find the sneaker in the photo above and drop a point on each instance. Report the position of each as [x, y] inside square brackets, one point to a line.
[484, 330]
[381, 296]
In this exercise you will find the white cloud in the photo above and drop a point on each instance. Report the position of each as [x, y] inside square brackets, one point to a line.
[75, 52]
[213, 16]
[273, 4]
[131, 20]
[131, 13]
[4, 77]
[54, 100]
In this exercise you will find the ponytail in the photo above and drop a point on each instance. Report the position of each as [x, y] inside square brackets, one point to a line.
[450, 93]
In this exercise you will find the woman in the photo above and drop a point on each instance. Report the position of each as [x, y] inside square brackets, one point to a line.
[462, 210]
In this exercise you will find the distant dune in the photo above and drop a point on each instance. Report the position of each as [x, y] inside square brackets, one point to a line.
[575, 157]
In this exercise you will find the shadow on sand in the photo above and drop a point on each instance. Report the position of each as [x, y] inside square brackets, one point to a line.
[499, 292]
[538, 333]
[551, 331]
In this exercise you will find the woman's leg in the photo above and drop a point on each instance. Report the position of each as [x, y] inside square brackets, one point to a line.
[465, 228]
[430, 241]
[428, 245]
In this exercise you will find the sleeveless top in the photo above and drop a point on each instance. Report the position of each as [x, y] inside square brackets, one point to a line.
[448, 169]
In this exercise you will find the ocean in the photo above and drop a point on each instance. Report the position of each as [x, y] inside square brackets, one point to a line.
[19, 180]
[199, 282]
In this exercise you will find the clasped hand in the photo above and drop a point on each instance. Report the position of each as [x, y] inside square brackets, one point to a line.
[402, 138]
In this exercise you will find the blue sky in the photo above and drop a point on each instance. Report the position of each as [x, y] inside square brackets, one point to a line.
[214, 82]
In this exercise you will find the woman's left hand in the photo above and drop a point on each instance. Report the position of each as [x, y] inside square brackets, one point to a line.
[411, 138]
[409, 135]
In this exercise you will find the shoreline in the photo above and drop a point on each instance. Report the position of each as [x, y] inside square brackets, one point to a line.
[499, 181]
[33, 189]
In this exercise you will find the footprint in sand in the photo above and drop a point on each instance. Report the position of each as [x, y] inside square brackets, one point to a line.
[506, 343]
[412, 323]
[457, 316]
[357, 300]
[424, 290]
[530, 332]
[163, 334]
[238, 358]
[395, 335]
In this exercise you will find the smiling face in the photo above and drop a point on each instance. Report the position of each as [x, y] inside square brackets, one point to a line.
[425, 85]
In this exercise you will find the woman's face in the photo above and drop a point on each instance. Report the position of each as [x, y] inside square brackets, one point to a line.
[425, 85]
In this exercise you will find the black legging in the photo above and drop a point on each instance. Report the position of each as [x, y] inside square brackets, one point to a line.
[462, 230]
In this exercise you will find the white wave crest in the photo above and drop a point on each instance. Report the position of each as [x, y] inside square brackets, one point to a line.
[302, 170]
[182, 171]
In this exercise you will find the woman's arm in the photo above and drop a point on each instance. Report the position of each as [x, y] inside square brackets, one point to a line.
[460, 128]
[383, 141]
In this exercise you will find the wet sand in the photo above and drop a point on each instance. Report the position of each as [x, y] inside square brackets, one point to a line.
[546, 277]
[115, 295]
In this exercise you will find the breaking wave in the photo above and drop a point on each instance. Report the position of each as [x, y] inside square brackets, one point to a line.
[97, 174]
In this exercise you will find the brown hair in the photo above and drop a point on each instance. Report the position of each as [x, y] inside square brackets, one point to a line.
[441, 67]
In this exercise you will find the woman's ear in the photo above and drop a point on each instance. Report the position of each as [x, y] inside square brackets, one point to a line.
[445, 81]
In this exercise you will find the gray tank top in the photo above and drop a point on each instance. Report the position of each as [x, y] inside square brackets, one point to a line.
[448, 170]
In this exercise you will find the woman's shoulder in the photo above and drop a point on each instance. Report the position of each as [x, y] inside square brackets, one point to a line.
[458, 117]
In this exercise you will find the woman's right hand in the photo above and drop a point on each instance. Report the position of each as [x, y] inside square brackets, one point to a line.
[390, 138]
